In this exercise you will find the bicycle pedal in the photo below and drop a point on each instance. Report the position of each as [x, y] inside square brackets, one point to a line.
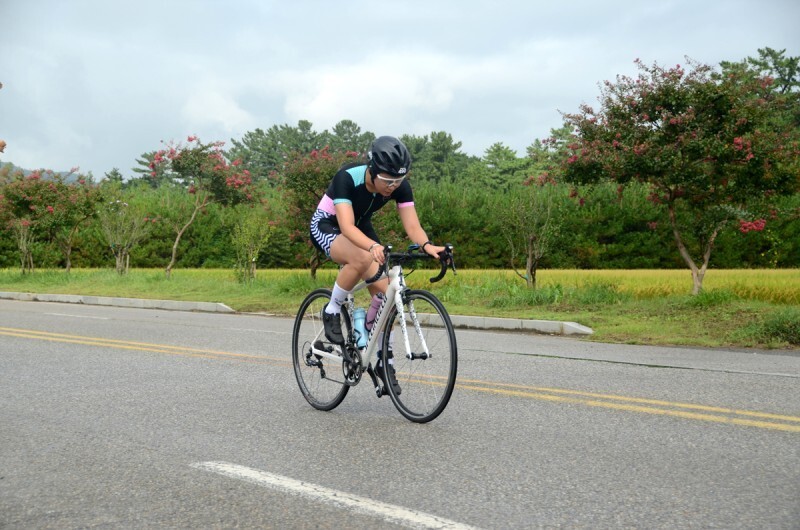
[380, 391]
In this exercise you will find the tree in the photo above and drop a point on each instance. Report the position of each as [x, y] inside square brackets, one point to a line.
[153, 174]
[531, 217]
[709, 148]
[114, 176]
[44, 205]
[251, 233]
[263, 153]
[305, 178]
[505, 168]
[72, 205]
[347, 136]
[436, 157]
[123, 222]
[203, 172]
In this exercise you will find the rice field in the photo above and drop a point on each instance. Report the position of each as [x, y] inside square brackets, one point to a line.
[780, 286]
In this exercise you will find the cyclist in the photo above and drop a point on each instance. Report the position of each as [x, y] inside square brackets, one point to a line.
[342, 228]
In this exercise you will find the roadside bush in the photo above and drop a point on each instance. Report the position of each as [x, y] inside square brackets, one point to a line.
[711, 298]
[599, 294]
[782, 325]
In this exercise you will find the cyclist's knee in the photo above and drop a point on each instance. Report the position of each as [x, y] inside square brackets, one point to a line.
[362, 261]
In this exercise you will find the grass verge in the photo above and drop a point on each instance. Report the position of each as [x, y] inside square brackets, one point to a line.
[742, 308]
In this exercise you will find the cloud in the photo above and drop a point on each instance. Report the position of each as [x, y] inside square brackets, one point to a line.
[388, 87]
[211, 108]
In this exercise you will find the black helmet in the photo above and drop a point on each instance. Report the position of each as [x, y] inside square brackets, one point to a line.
[389, 155]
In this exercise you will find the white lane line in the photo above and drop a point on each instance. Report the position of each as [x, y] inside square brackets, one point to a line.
[389, 512]
[77, 316]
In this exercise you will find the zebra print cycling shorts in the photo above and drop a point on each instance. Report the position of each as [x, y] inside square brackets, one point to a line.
[324, 229]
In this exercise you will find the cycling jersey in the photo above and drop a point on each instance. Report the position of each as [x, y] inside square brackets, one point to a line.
[349, 186]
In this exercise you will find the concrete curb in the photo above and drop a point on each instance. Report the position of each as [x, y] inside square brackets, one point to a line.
[540, 326]
[467, 322]
[172, 305]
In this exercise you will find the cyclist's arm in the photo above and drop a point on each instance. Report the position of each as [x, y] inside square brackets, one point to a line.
[412, 226]
[347, 224]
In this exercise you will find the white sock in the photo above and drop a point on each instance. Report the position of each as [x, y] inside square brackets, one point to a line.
[338, 297]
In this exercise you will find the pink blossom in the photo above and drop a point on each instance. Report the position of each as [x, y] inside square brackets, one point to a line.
[50, 209]
[752, 226]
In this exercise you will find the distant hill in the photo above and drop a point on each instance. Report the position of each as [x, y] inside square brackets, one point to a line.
[14, 169]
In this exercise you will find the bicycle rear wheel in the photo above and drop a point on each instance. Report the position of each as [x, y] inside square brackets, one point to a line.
[320, 378]
[426, 381]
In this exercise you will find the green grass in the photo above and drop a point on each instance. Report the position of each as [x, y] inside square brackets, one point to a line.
[738, 308]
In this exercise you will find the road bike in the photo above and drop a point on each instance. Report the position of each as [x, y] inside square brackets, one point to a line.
[425, 357]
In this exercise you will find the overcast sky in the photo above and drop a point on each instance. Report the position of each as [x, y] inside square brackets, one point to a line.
[96, 83]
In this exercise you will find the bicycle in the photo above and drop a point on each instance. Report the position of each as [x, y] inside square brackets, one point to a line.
[426, 367]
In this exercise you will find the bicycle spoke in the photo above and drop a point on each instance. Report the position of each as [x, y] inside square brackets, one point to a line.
[319, 378]
[426, 372]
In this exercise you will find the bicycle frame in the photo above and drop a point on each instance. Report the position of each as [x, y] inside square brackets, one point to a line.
[394, 293]
[326, 371]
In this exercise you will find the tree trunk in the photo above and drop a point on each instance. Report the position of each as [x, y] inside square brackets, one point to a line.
[68, 261]
[698, 273]
[199, 205]
[119, 259]
[314, 264]
[530, 265]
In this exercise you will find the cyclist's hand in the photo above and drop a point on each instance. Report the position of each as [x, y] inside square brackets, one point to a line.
[446, 256]
[378, 253]
[434, 251]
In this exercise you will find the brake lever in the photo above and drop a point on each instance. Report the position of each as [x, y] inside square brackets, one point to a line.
[445, 258]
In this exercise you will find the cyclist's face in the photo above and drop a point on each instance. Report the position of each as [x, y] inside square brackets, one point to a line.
[388, 182]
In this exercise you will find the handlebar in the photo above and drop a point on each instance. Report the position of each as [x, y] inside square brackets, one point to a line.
[445, 260]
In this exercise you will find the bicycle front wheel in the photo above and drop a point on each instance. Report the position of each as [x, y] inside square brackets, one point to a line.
[426, 378]
[320, 378]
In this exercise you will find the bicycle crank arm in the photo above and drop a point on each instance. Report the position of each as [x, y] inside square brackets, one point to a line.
[379, 390]
[330, 352]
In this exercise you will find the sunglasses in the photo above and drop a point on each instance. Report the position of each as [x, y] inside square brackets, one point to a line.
[391, 182]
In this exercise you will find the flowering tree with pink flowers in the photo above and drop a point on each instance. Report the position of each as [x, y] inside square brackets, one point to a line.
[45, 206]
[203, 171]
[305, 176]
[708, 146]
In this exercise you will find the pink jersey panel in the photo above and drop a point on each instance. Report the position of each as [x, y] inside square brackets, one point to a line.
[326, 205]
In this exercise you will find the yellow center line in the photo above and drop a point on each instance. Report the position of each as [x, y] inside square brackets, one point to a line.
[704, 408]
[561, 395]
[132, 345]
[787, 427]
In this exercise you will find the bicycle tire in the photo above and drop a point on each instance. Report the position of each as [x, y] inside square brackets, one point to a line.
[426, 385]
[319, 378]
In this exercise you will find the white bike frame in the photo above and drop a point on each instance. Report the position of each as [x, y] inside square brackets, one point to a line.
[394, 293]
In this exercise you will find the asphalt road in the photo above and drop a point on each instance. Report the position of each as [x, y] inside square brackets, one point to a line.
[138, 418]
